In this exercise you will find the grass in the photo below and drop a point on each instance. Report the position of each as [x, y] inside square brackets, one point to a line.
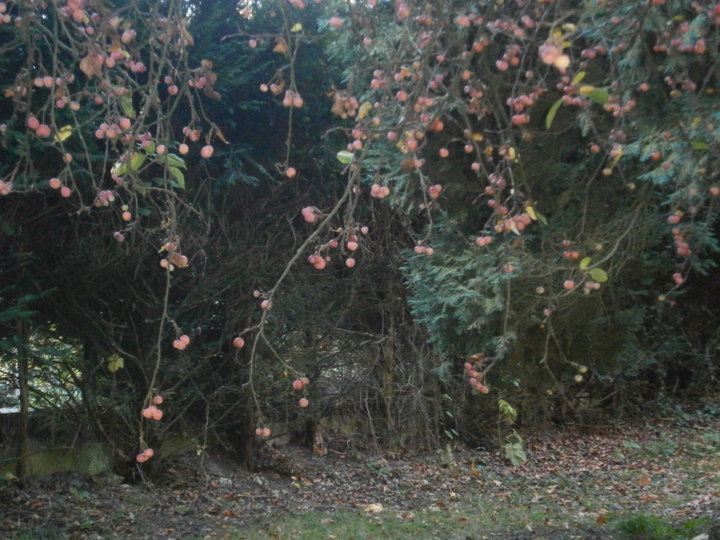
[488, 522]
[648, 527]
[630, 504]
[387, 525]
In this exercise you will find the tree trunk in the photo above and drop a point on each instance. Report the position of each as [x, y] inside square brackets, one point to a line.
[388, 392]
[23, 371]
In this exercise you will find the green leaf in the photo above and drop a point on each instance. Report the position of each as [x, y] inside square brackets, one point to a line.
[599, 95]
[344, 157]
[136, 161]
[126, 106]
[700, 145]
[515, 453]
[599, 275]
[173, 160]
[507, 412]
[178, 175]
[119, 168]
[551, 113]
[585, 263]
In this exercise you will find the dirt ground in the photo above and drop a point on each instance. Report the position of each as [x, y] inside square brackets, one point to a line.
[665, 467]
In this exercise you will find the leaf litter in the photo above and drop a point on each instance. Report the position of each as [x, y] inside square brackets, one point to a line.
[571, 481]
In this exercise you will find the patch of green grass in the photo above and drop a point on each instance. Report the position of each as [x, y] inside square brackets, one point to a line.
[355, 525]
[647, 527]
[472, 518]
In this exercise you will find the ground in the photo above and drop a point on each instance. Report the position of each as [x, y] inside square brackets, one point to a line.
[657, 478]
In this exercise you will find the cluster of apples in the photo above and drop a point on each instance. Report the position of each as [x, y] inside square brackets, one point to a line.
[152, 411]
[318, 261]
[552, 54]
[114, 130]
[682, 248]
[292, 99]
[519, 104]
[475, 377]
[511, 57]
[275, 88]
[320, 258]
[181, 343]
[4, 17]
[358, 136]
[514, 224]
[41, 130]
[483, 241]
[614, 106]
[104, 198]
[145, 455]
[174, 259]
[310, 214]
[344, 104]
[590, 285]
[300, 384]
[465, 21]
[379, 192]
[435, 190]
[423, 250]
[56, 183]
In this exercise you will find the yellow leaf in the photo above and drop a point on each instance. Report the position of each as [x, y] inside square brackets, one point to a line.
[63, 134]
[297, 27]
[364, 109]
[586, 90]
[531, 212]
[115, 363]
[477, 137]
[579, 77]
[373, 508]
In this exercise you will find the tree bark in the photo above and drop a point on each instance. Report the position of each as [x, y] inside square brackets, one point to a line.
[23, 371]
